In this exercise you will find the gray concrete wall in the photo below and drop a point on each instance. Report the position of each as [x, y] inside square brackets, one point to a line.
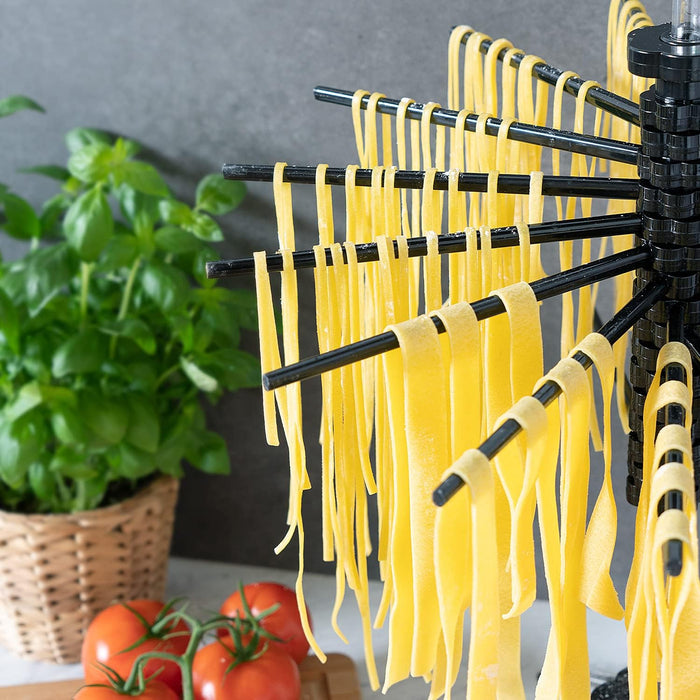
[202, 83]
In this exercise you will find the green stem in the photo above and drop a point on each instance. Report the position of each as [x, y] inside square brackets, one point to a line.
[85, 272]
[197, 630]
[165, 375]
[34, 245]
[126, 300]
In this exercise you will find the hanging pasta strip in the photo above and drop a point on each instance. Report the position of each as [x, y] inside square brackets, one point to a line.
[328, 503]
[573, 671]
[290, 331]
[269, 349]
[474, 469]
[657, 398]
[673, 352]
[508, 205]
[549, 684]
[502, 258]
[513, 362]
[385, 457]
[453, 81]
[347, 443]
[523, 257]
[354, 380]
[531, 415]
[324, 207]
[490, 75]
[642, 632]
[473, 282]
[534, 216]
[531, 109]
[331, 527]
[508, 84]
[474, 73]
[360, 140]
[579, 167]
[400, 580]
[681, 624]
[406, 228]
[428, 453]
[457, 150]
[432, 284]
[344, 445]
[485, 256]
[485, 148]
[401, 159]
[453, 527]
[371, 141]
[597, 589]
[457, 220]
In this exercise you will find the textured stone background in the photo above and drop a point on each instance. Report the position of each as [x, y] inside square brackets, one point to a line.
[205, 83]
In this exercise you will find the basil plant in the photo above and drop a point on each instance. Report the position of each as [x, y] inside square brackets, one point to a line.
[110, 331]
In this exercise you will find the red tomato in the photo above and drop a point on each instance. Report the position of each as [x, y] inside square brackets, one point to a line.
[272, 676]
[117, 628]
[284, 623]
[155, 690]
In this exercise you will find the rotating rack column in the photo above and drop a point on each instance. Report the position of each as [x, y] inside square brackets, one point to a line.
[669, 203]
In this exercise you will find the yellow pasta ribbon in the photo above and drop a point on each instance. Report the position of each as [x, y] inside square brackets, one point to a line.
[453, 526]
[484, 668]
[569, 675]
[597, 589]
[428, 453]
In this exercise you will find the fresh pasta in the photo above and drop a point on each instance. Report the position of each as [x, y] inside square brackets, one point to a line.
[394, 425]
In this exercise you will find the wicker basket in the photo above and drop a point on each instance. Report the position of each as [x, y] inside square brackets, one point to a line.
[58, 571]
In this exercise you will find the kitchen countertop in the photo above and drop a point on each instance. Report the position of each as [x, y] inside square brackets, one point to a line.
[207, 584]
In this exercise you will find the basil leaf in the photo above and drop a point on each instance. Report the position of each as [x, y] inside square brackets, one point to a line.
[130, 462]
[51, 212]
[81, 137]
[108, 418]
[54, 172]
[28, 397]
[92, 163]
[42, 482]
[167, 286]
[139, 208]
[234, 368]
[210, 454]
[21, 220]
[88, 224]
[71, 461]
[67, 425]
[14, 103]
[21, 443]
[121, 251]
[219, 196]
[9, 323]
[81, 353]
[144, 427]
[135, 329]
[49, 271]
[201, 225]
[142, 177]
[174, 239]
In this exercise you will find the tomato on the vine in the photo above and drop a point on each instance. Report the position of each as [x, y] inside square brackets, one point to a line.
[154, 690]
[273, 675]
[284, 623]
[122, 626]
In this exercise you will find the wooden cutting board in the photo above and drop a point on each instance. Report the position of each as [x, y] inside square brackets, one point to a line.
[334, 680]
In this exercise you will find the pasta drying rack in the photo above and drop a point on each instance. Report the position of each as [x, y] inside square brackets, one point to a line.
[665, 305]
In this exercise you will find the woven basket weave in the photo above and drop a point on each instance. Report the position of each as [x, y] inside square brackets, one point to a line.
[58, 571]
